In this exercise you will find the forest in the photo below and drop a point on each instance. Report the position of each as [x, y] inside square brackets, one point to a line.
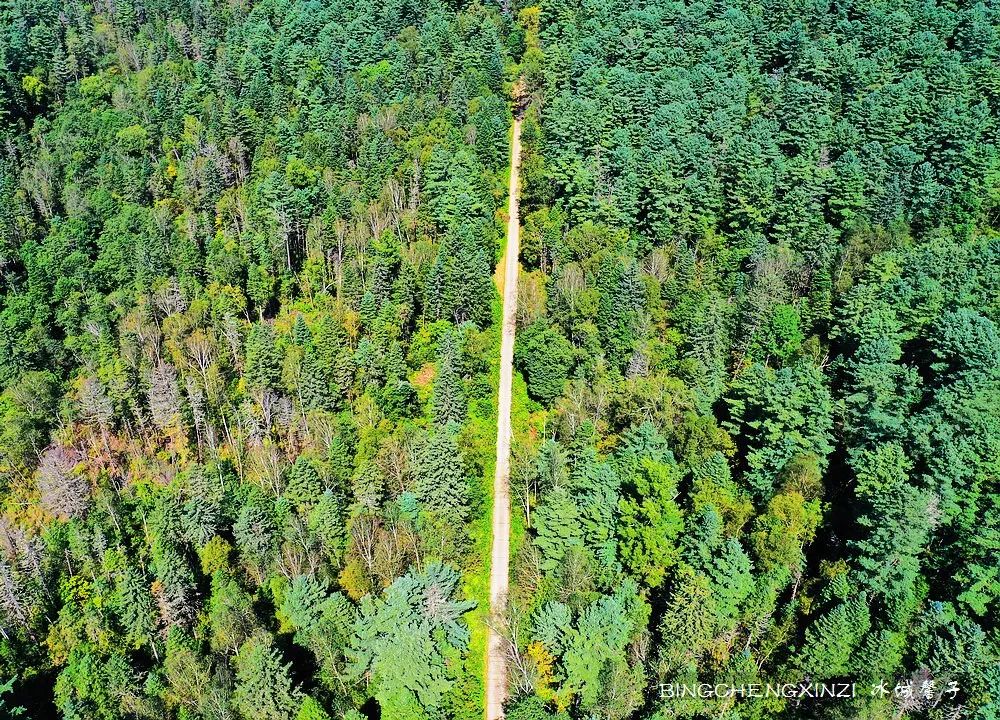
[250, 324]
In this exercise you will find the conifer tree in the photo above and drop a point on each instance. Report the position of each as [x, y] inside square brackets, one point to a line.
[303, 486]
[314, 386]
[264, 686]
[301, 334]
[263, 362]
[449, 402]
[832, 639]
[441, 485]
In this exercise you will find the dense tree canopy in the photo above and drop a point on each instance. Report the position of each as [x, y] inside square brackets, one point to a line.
[249, 350]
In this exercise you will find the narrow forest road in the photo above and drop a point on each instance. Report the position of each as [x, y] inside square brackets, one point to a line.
[496, 670]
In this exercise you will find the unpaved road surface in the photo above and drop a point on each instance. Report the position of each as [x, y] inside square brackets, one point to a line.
[496, 671]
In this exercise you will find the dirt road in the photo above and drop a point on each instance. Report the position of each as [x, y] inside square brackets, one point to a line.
[496, 671]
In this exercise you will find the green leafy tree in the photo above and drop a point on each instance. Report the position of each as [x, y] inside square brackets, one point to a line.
[545, 356]
[650, 521]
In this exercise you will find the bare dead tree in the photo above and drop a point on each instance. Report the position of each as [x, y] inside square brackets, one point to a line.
[201, 351]
[390, 552]
[657, 264]
[64, 493]
[95, 406]
[232, 334]
[164, 395]
[196, 401]
[13, 610]
[522, 673]
[169, 300]
[364, 531]
[300, 553]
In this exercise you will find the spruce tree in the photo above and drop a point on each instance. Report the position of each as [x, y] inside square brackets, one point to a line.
[263, 361]
[314, 387]
[449, 404]
[831, 640]
[441, 484]
[264, 689]
[301, 335]
[303, 485]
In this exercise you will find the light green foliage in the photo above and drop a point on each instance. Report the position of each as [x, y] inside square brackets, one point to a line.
[557, 527]
[832, 639]
[723, 561]
[402, 641]
[894, 516]
[311, 710]
[263, 362]
[532, 708]
[595, 659]
[688, 623]
[650, 521]
[322, 621]
[230, 613]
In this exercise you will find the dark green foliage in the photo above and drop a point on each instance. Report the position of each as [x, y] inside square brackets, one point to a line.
[778, 415]
[449, 396]
[10, 711]
[263, 362]
[545, 357]
[303, 486]
[263, 687]
[441, 483]
[833, 638]
[248, 356]
[530, 708]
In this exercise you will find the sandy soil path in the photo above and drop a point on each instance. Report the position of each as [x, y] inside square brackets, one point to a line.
[496, 671]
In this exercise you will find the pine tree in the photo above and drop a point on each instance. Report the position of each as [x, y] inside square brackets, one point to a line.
[230, 613]
[264, 688]
[341, 464]
[894, 522]
[402, 641]
[314, 387]
[723, 561]
[399, 397]
[326, 521]
[135, 607]
[832, 639]
[303, 486]
[689, 621]
[449, 403]
[263, 361]
[557, 527]
[301, 335]
[441, 485]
